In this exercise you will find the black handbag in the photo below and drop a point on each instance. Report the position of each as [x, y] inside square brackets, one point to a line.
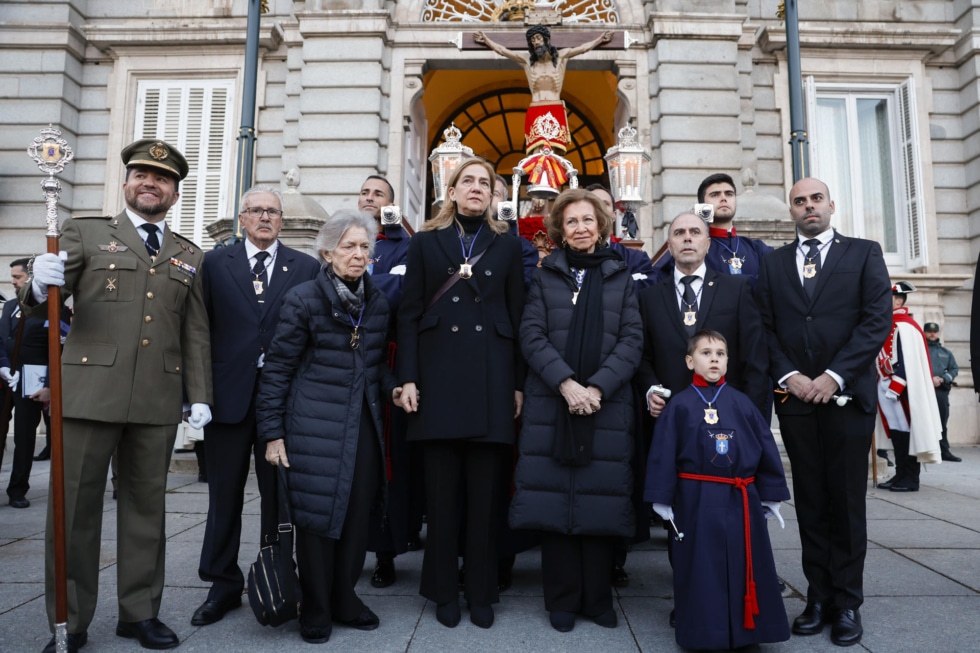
[273, 587]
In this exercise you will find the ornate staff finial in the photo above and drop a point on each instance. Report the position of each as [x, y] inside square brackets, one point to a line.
[51, 153]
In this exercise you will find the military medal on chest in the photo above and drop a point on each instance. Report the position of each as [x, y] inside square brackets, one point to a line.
[809, 270]
[355, 334]
[711, 415]
[690, 318]
[735, 265]
[465, 271]
[258, 286]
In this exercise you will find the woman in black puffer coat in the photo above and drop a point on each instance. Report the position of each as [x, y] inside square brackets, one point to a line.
[320, 411]
[582, 338]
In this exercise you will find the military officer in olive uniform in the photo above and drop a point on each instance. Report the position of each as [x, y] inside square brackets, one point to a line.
[139, 341]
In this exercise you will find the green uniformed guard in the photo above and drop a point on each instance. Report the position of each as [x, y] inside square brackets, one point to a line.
[138, 342]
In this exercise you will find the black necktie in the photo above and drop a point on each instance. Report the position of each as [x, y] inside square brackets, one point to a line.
[812, 259]
[259, 270]
[152, 241]
[690, 301]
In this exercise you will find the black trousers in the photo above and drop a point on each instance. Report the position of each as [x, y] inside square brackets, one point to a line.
[828, 450]
[449, 465]
[328, 568]
[27, 416]
[575, 572]
[942, 398]
[227, 450]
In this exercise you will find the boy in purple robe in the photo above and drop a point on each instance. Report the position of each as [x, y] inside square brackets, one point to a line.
[715, 471]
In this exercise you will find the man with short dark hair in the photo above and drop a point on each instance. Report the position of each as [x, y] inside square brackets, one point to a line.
[138, 345]
[243, 287]
[944, 372]
[729, 253]
[26, 340]
[637, 261]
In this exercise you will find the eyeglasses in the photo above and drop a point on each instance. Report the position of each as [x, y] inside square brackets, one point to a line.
[256, 212]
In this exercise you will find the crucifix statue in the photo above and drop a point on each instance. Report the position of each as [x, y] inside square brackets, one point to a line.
[545, 123]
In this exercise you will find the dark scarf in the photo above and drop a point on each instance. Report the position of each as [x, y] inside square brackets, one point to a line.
[351, 293]
[575, 433]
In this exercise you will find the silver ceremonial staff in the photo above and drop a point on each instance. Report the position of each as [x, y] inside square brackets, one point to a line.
[51, 153]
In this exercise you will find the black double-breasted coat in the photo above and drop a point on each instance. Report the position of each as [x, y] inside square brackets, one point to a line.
[462, 352]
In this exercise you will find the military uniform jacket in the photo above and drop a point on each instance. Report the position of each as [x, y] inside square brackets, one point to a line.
[139, 336]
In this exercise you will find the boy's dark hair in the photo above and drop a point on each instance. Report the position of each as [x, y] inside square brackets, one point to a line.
[705, 334]
[711, 180]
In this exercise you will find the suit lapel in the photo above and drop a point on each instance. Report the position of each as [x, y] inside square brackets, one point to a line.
[707, 296]
[125, 233]
[792, 274]
[282, 275]
[236, 267]
[668, 293]
[834, 256]
[168, 248]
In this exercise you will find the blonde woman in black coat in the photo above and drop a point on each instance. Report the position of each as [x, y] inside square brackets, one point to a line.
[461, 370]
[582, 337]
[320, 409]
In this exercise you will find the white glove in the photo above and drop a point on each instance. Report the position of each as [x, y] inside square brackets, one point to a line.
[891, 395]
[771, 509]
[11, 379]
[49, 270]
[200, 416]
[398, 269]
[666, 512]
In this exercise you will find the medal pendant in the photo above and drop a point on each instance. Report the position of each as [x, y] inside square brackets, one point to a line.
[575, 297]
[690, 318]
[711, 415]
[809, 270]
[258, 287]
[465, 271]
[355, 339]
[734, 265]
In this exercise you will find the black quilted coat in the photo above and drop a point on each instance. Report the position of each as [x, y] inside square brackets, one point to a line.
[312, 391]
[594, 499]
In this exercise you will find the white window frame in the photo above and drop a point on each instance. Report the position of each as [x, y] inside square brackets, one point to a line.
[205, 193]
[905, 157]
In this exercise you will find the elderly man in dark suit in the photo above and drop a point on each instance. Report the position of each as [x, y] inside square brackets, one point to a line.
[693, 298]
[243, 290]
[138, 346]
[825, 301]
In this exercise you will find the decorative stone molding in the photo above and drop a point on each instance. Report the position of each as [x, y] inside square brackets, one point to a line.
[879, 37]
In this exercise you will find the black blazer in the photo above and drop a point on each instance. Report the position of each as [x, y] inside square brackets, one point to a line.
[726, 306]
[462, 353]
[241, 328]
[842, 328]
[34, 342]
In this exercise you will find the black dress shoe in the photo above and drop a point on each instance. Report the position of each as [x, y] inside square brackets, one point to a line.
[886, 485]
[44, 455]
[561, 620]
[904, 486]
[367, 620]
[812, 619]
[19, 502]
[948, 456]
[315, 634]
[214, 610]
[619, 576]
[607, 619]
[481, 615]
[384, 574]
[448, 614]
[847, 629]
[75, 642]
[152, 633]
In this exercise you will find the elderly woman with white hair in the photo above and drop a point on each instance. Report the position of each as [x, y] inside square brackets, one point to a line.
[320, 413]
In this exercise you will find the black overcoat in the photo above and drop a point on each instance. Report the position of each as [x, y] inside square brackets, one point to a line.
[593, 499]
[311, 394]
[462, 352]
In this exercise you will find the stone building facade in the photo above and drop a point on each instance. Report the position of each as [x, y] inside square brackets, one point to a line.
[348, 88]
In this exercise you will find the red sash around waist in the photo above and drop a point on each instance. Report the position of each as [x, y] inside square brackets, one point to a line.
[751, 601]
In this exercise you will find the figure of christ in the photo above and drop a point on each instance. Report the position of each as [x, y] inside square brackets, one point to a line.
[546, 122]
